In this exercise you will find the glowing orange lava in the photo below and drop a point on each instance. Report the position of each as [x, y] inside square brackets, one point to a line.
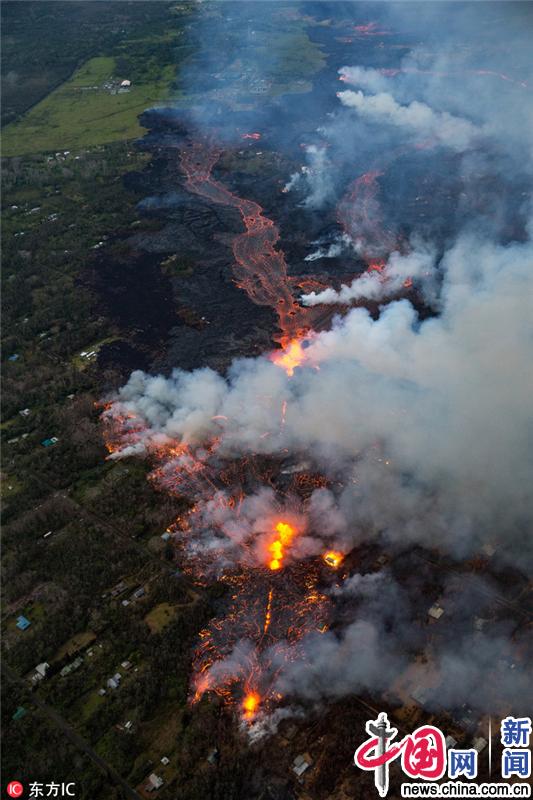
[333, 558]
[290, 357]
[276, 549]
[250, 704]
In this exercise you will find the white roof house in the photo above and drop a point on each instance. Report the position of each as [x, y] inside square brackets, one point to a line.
[154, 782]
[40, 672]
[301, 763]
[436, 611]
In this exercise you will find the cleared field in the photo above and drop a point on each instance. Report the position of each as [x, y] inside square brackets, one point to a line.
[82, 113]
[160, 616]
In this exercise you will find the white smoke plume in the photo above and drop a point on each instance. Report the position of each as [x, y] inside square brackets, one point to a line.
[429, 392]
[415, 118]
[331, 251]
[315, 179]
[376, 285]
[365, 77]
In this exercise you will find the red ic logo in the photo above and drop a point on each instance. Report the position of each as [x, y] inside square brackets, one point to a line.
[15, 789]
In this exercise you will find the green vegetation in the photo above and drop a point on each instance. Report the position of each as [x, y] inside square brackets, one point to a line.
[159, 617]
[83, 113]
[45, 41]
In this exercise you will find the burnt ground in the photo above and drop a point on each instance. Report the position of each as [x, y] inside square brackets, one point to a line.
[169, 288]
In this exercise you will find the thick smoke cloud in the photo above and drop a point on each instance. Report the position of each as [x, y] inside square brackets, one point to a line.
[315, 179]
[424, 426]
[416, 118]
[429, 392]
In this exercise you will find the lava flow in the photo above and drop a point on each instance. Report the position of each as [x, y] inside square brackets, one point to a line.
[260, 268]
[359, 214]
[274, 598]
[277, 548]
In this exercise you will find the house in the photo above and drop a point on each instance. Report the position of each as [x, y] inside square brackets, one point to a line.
[436, 611]
[102, 692]
[301, 763]
[19, 713]
[114, 682]
[125, 84]
[23, 623]
[72, 667]
[126, 665]
[165, 761]
[450, 742]
[40, 672]
[140, 592]
[24, 412]
[154, 783]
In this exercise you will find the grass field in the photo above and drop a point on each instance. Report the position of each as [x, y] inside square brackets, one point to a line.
[160, 616]
[81, 113]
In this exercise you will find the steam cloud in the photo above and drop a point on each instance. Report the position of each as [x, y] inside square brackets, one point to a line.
[427, 424]
[378, 285]
[429, 392]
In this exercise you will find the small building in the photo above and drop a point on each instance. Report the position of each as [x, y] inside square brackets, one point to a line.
[450, 742]
[114, 682]
[140, 592]
[19, 713]
[23, 623]
[24, 412]
[125, 83]
[155, 782]
[40, 672]
[436, 611]
[102, 692]
[14, 357]
[49, 442]
[479, 744]
[165, 761]
[165, 536]
[72, 667]
[301, 763]
[126, 665]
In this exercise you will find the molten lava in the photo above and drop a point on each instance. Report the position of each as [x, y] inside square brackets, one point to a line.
[276, 548]
[333, 558]
[359, 213]
[260, 268]
[250, 704]
[290, 357]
